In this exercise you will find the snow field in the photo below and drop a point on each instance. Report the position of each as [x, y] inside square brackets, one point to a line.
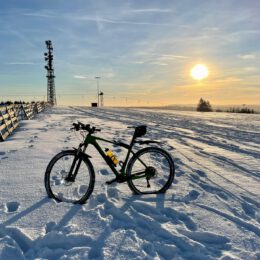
[210, 212]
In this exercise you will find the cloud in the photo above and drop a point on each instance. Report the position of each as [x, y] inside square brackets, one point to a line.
[228, 79]
[250, 68]
[103, 74]
[99, 19]
[19, 63]
[138, 62]
[171, 57]
[150, 57]
[80, 77]
[159, 63]
[22, 37]
[108, 75]
[99, 23]
[247, 56]
[40, 14]
[150, 10]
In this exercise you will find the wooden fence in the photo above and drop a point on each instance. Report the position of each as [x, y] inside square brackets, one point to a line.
[11, 115]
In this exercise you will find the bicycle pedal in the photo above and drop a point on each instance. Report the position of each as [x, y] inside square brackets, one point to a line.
[117, 179]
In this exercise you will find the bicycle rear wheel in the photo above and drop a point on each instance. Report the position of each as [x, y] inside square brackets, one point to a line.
[57, 185]
[157, 168]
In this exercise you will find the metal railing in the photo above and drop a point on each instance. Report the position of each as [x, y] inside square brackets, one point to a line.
[11, 115]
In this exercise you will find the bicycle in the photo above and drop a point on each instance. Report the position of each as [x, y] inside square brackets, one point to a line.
[70, 175]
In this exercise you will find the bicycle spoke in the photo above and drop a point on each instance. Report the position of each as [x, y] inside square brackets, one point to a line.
[158, 171]
[65, 190]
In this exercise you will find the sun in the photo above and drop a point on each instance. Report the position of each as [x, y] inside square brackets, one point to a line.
[199, 72]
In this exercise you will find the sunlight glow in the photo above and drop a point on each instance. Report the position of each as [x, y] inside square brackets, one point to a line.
[199, 72]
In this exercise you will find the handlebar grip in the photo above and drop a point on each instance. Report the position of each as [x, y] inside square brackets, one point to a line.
[80, 126]
[75, 126]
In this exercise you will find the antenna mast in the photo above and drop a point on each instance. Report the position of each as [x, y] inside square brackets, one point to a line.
[51, 95]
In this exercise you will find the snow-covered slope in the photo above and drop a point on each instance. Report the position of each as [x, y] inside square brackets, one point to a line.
[210, 212]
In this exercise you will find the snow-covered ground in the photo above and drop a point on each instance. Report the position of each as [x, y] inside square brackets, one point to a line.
[210, 212]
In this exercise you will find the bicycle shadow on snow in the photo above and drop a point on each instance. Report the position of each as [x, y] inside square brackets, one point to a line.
[154, 229]
[25, 212]
[32, 247]
[140, 226]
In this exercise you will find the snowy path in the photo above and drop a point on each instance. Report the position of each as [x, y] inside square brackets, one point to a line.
[211, 211]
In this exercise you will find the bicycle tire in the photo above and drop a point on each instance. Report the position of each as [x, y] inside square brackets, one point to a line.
[55, 176]
[162, 179]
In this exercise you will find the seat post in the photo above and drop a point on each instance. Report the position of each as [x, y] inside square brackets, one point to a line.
[129, 150]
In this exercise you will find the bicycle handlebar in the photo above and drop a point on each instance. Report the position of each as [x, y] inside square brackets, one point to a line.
[80, 126]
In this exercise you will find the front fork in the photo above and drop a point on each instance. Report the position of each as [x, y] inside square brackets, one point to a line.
[76, 163]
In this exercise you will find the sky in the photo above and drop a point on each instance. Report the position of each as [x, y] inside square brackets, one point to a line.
[143, 51]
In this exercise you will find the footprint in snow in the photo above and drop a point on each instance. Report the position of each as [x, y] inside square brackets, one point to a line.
[117, 149]
[101, 198]
[104, 172]
[201, 173]
[193, 195]
[179, 173]
[112, 193]
[222, 195]
[42, 129]
[50, 226]
[248, 209]
[12, 151]
[195, 178]
[207, 238]
[11, 207]
[251, 201]
[2, 156]
[67, 139]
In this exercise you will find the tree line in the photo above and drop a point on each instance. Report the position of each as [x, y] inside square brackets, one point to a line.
[205, 106]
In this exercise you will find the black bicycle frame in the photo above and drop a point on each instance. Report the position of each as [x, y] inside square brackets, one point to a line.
[93, 141]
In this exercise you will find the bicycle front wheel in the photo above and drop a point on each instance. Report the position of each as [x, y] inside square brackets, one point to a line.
[151, 170]
[57, 184]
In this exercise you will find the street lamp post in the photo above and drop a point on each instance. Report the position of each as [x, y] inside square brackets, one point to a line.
[97, 78]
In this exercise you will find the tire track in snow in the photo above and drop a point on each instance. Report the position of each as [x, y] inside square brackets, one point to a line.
[249, 206]
[118, 116]
[208, 185]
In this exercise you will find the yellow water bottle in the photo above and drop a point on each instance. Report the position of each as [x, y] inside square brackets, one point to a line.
[113, 158]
